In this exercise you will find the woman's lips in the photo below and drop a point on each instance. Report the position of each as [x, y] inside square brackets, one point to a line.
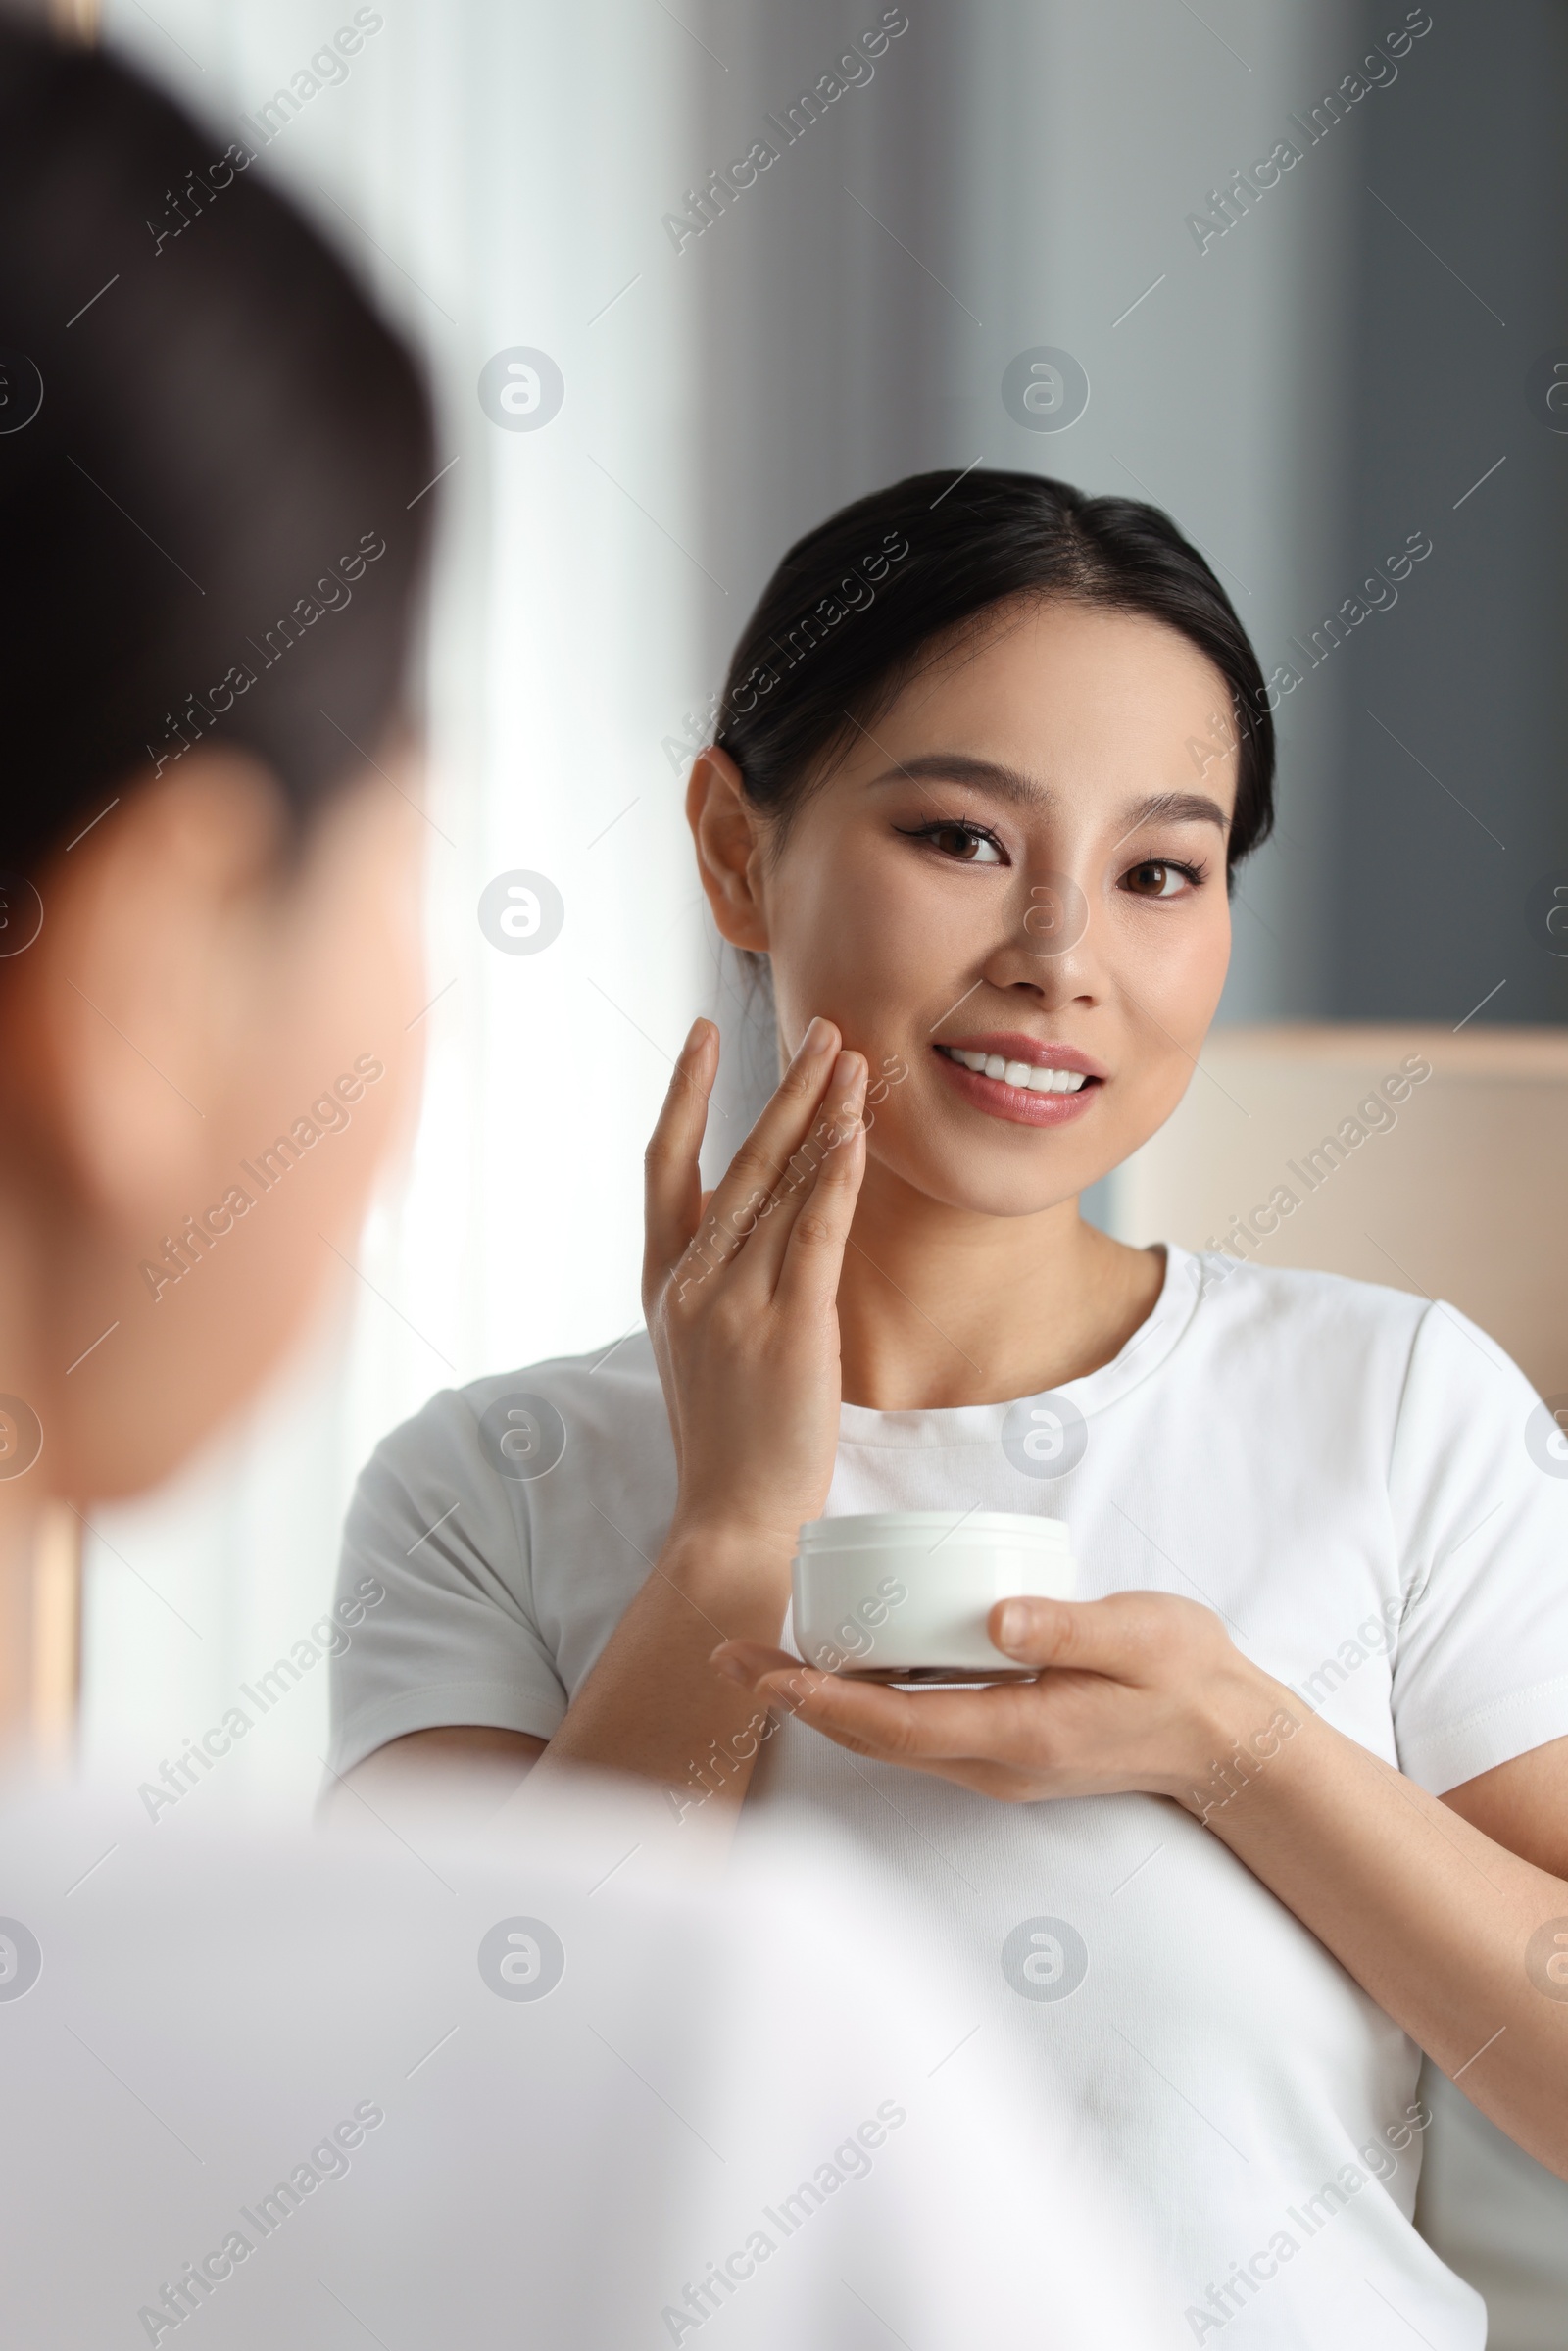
[1019, 1105]
[1012, 1044]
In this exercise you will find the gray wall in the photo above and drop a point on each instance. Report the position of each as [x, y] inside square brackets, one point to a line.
[1301, 394]
[1470, 671]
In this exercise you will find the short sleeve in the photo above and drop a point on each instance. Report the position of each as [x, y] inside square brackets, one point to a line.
[1478, 1487]
[453, 1639]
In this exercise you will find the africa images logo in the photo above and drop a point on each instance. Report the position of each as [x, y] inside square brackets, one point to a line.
[522, 1959]
[1045, 1959]
[1044, 1435]
[21, 1959]
[522, 388]
[182, 2297]
[521, 912]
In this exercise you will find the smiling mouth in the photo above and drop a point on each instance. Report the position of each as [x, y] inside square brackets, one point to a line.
[1025, 1093]
[1024, 1075]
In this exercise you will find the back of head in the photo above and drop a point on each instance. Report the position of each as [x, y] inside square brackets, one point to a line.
[211, 539]
[208, 443]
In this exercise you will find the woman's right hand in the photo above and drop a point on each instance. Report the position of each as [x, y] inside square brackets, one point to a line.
[741, 1292]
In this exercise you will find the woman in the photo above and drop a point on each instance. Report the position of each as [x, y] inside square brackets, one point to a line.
[213, 543]
[990, 751]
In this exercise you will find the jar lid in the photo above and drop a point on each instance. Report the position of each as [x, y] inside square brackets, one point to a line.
[935, 1529]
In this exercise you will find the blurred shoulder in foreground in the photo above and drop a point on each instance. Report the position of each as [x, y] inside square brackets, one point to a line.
[570, 2087]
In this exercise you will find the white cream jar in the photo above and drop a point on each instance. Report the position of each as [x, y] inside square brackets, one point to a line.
[902, 1596]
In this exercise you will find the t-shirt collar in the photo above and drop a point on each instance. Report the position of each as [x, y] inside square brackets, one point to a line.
[981, 1424]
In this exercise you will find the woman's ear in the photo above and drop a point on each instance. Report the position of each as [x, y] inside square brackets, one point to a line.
[729, 836]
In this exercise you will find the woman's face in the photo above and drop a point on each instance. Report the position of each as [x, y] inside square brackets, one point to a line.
[208, 1051]
[1023, 859]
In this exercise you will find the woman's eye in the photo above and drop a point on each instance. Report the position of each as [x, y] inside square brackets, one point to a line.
[964, 842]
[1158, 879]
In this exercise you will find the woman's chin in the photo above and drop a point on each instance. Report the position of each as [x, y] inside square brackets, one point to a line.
[925, 1158]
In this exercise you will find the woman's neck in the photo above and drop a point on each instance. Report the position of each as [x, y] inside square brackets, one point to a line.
[941, 1306]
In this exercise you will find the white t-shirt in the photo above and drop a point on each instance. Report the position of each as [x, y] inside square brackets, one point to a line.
[552, 2092]
[1357, 1481]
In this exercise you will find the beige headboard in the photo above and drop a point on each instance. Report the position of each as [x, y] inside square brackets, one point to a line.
[1458, 1189]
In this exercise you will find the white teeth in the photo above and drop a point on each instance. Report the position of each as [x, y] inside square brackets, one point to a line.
[1018, 1073]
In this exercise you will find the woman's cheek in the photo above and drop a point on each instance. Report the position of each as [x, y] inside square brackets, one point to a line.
[1171, 993]
[859, 962]
[1176, 962]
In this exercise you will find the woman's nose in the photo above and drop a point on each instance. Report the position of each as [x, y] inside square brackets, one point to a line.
[1056, 915]
[1046, 939]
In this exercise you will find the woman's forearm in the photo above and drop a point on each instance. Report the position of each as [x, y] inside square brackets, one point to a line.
[652, 1703]
[1430, 1916]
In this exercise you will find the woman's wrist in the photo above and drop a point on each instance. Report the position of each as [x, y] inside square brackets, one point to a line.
[734, 1566]
[1247, 1719]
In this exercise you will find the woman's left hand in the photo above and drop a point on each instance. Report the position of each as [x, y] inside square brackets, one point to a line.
[1141, 1691]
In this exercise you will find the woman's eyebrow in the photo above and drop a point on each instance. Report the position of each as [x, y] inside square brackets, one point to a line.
[1174, 807]
[961, 768]
[1011, 783]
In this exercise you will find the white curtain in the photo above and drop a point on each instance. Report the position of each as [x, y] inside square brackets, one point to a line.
[499, 174]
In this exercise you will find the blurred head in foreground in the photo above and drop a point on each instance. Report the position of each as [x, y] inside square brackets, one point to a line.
[212, 452]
